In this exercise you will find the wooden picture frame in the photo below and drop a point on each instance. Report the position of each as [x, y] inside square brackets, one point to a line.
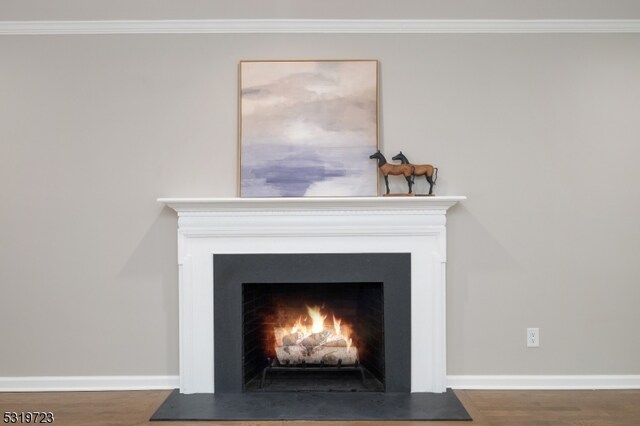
[306, 128]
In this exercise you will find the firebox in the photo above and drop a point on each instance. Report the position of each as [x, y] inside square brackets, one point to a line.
[313, 336]
[312, 322]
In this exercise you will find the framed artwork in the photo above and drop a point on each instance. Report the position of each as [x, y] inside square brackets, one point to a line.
[307, 128]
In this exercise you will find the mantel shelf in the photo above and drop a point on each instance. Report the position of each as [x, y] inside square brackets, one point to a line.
[185, 205]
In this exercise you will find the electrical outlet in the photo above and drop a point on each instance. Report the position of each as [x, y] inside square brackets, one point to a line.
[533, 337]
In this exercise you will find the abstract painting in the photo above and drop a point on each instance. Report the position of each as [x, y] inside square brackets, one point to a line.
[307, 128]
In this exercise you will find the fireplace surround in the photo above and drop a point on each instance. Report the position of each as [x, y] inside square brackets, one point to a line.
[217, 227]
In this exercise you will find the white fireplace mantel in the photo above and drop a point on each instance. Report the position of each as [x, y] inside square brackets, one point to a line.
[415, 225]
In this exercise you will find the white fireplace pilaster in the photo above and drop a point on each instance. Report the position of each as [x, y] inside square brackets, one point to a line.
[415, 225]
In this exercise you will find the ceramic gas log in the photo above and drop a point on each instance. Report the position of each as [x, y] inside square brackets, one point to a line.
[320, 355]
[315, 343]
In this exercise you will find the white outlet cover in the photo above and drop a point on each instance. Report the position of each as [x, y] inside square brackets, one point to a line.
[533, 337]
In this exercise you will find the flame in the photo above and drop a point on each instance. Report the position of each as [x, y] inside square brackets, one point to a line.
[310, 324]
[336, 325]
[345, 332]
[342, 331]
[299, 326]
[317, 318]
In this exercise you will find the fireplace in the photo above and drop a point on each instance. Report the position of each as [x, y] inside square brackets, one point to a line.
[378, 261]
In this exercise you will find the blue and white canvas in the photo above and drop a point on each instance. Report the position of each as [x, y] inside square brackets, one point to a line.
[307, 128]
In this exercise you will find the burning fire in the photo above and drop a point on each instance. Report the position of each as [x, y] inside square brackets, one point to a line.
[317, 317]
[315, 342]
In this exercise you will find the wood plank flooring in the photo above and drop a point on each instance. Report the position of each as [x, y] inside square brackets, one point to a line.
[499, 408]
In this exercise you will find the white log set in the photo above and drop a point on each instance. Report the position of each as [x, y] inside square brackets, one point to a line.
[324, 347]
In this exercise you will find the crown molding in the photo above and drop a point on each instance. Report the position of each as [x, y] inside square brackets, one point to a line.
[321, 26]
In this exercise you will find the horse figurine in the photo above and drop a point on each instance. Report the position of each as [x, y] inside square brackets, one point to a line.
[393, 169]
[426, 170]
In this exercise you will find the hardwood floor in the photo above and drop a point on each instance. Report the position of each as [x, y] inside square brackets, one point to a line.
[507, 408]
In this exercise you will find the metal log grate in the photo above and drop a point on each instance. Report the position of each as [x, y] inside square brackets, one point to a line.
[275, 366]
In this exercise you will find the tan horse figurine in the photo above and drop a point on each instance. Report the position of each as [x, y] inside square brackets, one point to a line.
[426, 170]
[387, 169]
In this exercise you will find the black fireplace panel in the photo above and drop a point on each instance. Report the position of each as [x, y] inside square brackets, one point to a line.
[380, 281]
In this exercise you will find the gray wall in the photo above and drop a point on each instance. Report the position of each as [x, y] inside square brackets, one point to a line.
[541, 132]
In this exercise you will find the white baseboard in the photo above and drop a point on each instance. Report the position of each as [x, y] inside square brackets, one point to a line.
[545, 382]
[87, 383]
[113, 383]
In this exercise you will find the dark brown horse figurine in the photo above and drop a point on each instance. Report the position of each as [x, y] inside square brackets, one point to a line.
[426, 170]
[387, 169]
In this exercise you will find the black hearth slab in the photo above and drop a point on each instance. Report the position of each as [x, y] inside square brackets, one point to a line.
[312, 406]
